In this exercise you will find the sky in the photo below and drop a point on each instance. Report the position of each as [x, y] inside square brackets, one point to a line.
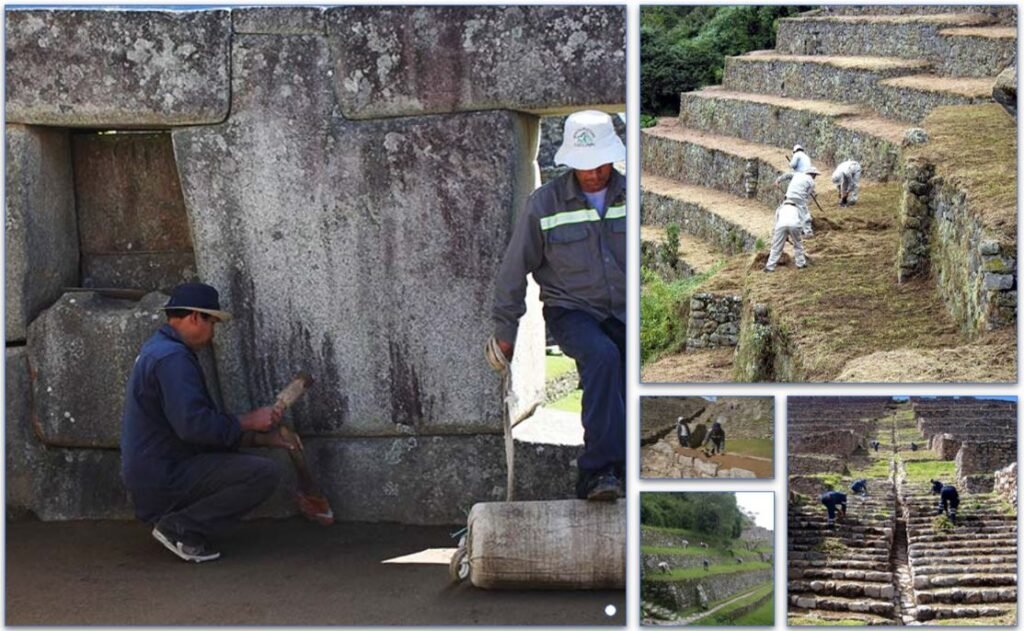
[762, 505]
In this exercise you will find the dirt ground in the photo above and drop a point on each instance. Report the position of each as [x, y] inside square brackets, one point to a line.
[272, 572]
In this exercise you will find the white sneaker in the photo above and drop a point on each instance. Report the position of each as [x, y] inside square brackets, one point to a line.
[184, 551]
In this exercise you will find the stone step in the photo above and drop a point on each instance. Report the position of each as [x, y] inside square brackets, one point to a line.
[698, 254]
[942, 567]
[807, 553]
[962, 544]
[916, 554]
[844, 79]
[830, 132]
[972, 559]
[958, 44]
[995, 533]
[966, 595]
[975, 578]
[949, 612]
[831, 573]
[838, 603]
[847, 589]
[836, 564]
[728, 164]
[732, 224]
[911, 98]
[815, 526]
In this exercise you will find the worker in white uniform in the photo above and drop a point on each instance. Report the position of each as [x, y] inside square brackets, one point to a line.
[800, 192]
[787, 224]
[846, 177]
[799, 161]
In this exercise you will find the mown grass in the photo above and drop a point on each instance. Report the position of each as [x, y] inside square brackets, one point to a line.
[811, 621]
[696, 572]
[757, 447]
[751, 618]
[879, 468]
[923, 471]
[833, 311]
[557, 365]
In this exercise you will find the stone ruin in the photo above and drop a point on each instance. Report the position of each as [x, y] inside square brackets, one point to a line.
[346, 176]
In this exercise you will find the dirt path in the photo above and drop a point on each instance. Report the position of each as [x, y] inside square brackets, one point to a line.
[762, 467]
[273, 572]
[704, 614]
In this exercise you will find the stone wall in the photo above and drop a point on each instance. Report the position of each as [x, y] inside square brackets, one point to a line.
[976, 271]
[841, 442]
[946, 446]
[362, 251]
[1006, 483]
[825, 139]
[682, 594]
[133, 224]
[952, 56]
[661, 210]
[714, 320]
[40, 227]
[912, 258]
[984, 457]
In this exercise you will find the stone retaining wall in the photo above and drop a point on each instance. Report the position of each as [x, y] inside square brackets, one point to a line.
[682, 594]
[661, 210]
[975, 270]
[984, 457]
[711, 168]
[915, 220]
[1006, 483]
[946, 446]
[1003, 14]
[714, 320]
[953, 55]
[824, 140]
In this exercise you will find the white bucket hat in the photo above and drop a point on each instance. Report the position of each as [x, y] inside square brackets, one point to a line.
[797, 148]
[589, 141]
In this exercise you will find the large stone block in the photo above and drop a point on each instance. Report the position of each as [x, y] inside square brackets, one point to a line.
[279, 20]
[131, 216]
[21, 445]
[402, 61]
[41, 234]
[81, 352]
[364, 253]
[433, 479]
[88, 68]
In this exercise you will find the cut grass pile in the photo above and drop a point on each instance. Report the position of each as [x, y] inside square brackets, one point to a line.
[831, 311]
[813, 621]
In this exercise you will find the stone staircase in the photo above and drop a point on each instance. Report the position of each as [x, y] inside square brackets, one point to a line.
[843, 573]
[843, 83]
[969, 571]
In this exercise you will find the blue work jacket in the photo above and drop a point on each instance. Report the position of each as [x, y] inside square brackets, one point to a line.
[169, 415]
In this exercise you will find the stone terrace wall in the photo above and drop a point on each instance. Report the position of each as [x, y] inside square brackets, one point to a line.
[362, 251]
[1006, 483]
[976, 272]
[682, 594]
[984, 457]
[714, 320]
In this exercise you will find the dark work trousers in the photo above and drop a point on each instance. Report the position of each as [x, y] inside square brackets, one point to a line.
[949, 501]
[215, 491]
[599, 349]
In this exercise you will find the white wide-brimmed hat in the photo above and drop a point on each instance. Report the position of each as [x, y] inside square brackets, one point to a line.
[797, 148]
[589, 141]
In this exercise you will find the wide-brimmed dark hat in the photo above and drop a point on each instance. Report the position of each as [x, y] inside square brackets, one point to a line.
[197, 297]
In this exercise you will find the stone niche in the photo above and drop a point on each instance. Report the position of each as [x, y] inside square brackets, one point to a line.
[347, 177]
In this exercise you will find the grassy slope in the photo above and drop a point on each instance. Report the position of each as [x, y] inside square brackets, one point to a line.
[847, 302]
[761, 616]
[696, 572]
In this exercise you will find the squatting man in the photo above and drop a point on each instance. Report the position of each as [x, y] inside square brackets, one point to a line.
[180, 454]
[572, 237]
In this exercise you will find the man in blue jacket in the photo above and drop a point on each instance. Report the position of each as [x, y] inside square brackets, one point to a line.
[832, 500]
[949, 499]
[180, 460]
